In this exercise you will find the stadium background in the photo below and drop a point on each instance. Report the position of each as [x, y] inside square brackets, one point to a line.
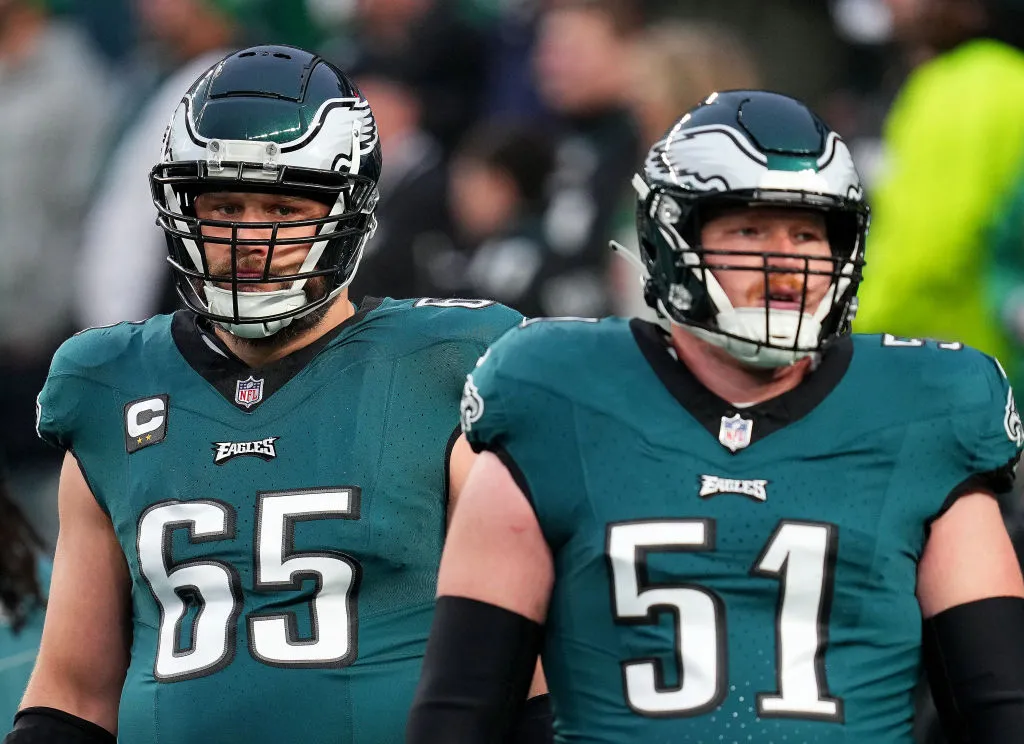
[510, 130]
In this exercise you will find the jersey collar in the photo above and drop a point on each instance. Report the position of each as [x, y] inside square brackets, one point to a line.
[768, 416]
[218, 365]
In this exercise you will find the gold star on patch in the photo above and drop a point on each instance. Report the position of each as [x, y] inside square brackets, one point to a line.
[149, 437]
[139, 440]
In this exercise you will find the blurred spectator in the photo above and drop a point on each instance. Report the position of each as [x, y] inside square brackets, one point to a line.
[53, 117]
[497, 189]
[446, 55]
[510, 91]
[1006, 279]
[795, 42]
[582, 71]
[675, 65]
[24, 577]
[909, 31]
[122, 271]
[954, 143]
[412, 215]
[875, 67]
[110, 24]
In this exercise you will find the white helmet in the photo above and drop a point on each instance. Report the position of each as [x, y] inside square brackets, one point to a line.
[749, 148]
[271, 119]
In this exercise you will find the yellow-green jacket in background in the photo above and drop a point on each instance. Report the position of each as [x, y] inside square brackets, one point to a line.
[954, 145]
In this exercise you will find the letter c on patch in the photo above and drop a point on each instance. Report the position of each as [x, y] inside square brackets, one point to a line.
[152, 405]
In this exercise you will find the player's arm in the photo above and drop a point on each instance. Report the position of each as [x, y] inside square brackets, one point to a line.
[972, 598]
[460, 462]
[494, 586]
[535, 722]
[73, 694]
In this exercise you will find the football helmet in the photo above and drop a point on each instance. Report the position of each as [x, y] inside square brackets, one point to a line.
[749, 149]
[269, 119]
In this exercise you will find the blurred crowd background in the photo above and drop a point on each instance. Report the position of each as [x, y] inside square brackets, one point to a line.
[510, 131]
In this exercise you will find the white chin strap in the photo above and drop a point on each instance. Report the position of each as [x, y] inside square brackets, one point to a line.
[793, 335]
[255, 305]
[261, 304]
[798, 332]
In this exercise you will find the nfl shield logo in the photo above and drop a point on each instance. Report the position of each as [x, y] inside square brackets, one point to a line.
[249, 392]
[735, 432]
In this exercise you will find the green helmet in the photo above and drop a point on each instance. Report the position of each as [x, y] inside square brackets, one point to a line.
[271, 119]
[749, 148]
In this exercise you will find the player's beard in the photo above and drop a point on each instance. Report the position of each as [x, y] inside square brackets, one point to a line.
[315, 288]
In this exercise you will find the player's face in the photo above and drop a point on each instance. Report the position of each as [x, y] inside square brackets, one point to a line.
[252, 258]
[786, 240]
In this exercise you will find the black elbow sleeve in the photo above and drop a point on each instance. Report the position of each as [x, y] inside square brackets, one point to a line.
[52, 726]
[477, 670]
[536, 724]
[974, 656]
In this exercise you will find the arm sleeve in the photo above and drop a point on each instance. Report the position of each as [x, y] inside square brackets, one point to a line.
[990, 435]
[514, 406]
[981, 451]
[56, 408]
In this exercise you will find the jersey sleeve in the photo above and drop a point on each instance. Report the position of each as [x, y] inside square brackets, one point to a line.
[990, 435]
[483, 327]
[486, 418]
[512, 406]
[78, 409]
[57, 405]
[461, 331]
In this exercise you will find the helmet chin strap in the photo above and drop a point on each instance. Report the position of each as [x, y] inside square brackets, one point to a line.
[254, 305]
[261, 304]
[793, 335]
[749, 323]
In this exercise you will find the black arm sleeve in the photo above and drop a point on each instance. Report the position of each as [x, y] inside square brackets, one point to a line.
[974, 655]
[476, 674]
[536, 722]
[52, 726]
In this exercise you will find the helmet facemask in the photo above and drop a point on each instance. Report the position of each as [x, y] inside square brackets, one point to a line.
[336, 244]
[686, 288]
[268, 120]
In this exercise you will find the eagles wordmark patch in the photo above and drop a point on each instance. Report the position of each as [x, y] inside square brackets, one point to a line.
[712, 485]
[261, 448]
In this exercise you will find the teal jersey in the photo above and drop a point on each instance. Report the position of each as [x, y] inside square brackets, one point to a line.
[18, 651]
[282, 526]
[736, 575]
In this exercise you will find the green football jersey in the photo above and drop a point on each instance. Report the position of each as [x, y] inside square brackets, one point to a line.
[731, 574]
[283, 525]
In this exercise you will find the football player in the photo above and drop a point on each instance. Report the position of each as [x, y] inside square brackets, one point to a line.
[729, 528]
[255, 492]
